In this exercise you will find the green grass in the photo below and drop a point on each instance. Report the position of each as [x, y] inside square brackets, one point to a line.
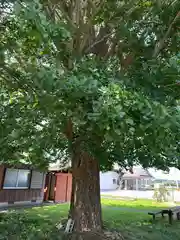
[135, 226]
[137, 204]
[39, 223]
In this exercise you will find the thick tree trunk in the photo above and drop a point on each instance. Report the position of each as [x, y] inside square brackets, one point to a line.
[85, 207]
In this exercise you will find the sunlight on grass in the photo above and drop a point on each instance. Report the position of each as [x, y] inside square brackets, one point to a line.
[138, 204]
[55, 212]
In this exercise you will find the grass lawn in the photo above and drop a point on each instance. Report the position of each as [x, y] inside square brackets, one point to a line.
[136, 204]
[39, 223]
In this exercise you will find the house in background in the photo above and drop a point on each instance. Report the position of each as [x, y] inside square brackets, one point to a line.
[21, 185]
[109, 180]
[139, 179]
[128, 181]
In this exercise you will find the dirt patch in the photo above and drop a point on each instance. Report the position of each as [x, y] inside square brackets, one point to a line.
[107, 235]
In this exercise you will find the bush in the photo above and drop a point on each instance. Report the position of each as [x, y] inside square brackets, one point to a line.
[19, 226]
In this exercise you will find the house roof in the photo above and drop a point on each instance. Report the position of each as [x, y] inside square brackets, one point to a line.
[173, 174]
[138, 172]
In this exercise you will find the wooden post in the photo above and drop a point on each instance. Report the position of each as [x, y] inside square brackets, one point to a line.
[170, 214]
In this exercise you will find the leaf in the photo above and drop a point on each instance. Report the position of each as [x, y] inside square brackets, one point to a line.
[130, 121]
[122, 114]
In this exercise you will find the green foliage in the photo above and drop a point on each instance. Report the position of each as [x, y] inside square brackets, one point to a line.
[21, 226]
[55, 70]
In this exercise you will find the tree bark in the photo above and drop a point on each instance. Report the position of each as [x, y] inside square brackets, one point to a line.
[85, 208]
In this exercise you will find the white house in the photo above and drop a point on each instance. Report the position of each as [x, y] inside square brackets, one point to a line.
[137, 180]
[140, 179]
[109, 180]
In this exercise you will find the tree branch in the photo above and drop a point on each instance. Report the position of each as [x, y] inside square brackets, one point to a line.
[160, 45]
[99, 41]
[86, 28]
[69, 129]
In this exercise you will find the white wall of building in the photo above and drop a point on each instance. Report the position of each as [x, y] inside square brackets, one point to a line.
[109, 180]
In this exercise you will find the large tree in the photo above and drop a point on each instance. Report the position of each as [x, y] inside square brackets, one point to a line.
[94, 80]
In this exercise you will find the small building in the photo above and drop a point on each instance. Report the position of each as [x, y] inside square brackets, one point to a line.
[144, 179]
[139, 179]
[109, 180]
[58, 183]
[21, 185]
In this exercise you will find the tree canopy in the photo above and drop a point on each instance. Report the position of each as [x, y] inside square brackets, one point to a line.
[94, 81]
[103, 72]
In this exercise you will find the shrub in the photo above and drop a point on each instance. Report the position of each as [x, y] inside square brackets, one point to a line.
[22, 227]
